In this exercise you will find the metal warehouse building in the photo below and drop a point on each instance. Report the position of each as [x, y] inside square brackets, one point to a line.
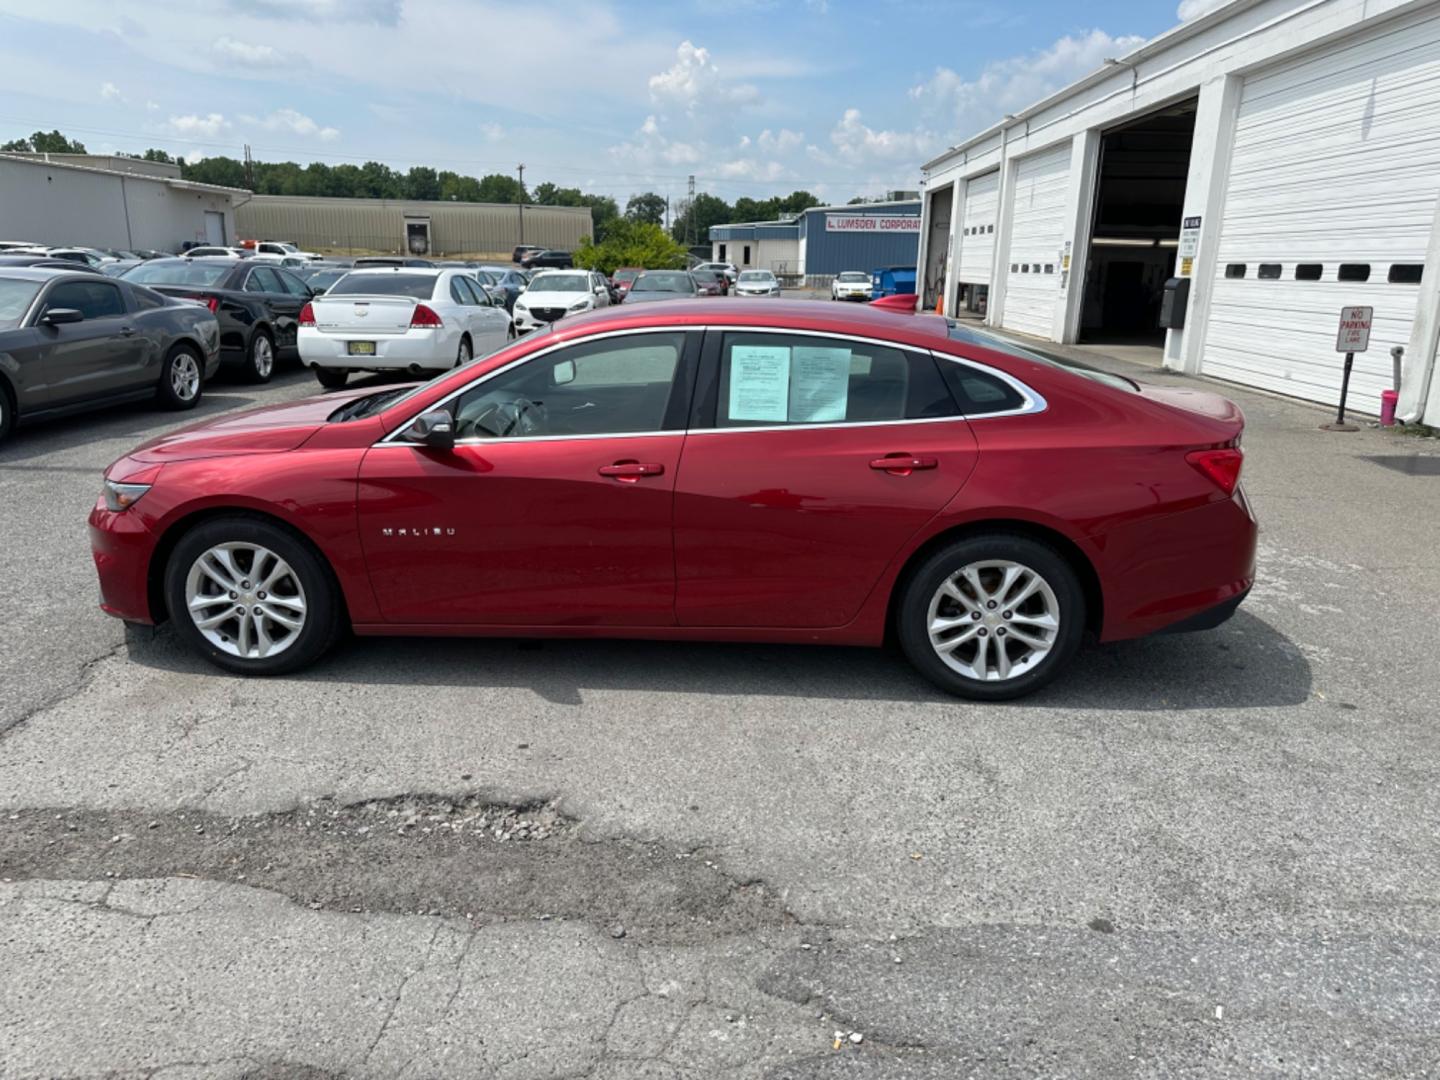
[418, 227]
[824, 240]
[1280, 156]
[70, 199]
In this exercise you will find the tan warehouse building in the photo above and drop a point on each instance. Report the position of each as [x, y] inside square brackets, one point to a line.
[415, 227]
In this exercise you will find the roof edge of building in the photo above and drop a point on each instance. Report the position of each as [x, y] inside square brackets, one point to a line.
[171, 181]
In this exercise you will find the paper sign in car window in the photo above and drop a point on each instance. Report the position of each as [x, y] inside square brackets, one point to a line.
[759, 382]
[819, 384]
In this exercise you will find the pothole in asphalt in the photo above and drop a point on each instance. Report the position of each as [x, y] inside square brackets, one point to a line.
[414, 854]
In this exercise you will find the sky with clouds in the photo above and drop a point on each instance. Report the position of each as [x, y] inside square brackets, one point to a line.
[754, 97]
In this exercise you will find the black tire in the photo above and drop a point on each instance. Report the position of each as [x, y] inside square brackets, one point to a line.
[922, 586]
[330, 378]
[7, 411]
[171, 396]
[465, 352]
[322, 621]
[257, 370]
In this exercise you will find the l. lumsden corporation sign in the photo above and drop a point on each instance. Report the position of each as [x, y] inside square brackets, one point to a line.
[902, 223]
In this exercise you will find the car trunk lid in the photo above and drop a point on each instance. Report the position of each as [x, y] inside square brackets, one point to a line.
[365, 315]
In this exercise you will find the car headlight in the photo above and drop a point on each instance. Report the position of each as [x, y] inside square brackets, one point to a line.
[120, 497]
[580, 305]
[521, 306]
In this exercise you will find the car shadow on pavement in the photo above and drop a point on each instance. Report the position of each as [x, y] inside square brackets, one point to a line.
[1244, 664]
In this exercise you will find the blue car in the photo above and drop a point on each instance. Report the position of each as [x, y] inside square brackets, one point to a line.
[509, 280]
[890, 280]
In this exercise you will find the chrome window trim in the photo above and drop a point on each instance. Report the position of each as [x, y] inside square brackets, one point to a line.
[1034, 402]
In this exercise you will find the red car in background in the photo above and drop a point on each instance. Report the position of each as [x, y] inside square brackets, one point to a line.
[624, 277]
[759, 471]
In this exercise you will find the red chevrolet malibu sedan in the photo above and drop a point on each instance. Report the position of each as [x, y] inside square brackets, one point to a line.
[764, 471]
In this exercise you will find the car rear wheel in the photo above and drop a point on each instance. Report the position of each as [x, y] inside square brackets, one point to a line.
[251, 597]
[181, 379]
[331, 378]
[7, 412]
[462, 356]
[992, 617]
[260, 357]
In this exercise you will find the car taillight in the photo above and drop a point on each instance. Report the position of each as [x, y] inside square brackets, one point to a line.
[425, 317]
[307, 315]
[211, 302]
[1221, 467]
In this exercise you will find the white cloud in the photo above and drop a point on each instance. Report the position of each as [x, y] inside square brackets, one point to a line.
[152, 106]
[857, 143]
[230, 50]
[492, 131]
[207, 126]
[966, 106]
[694, 81]
[651, 146]
[780, 142]
[751, 169]
[293, 122]
[110, 92]
[195, 156]
[1193, 9]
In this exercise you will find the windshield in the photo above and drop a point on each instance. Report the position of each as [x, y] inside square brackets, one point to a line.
[323, 279]
[560, 283]
[680, 283]
[854, 275]
[757, 275]
[15, 298]
[989, 341]
[415, 286]
[177, 273]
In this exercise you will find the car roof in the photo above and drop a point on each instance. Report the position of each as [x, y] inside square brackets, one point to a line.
[922, 331]
[435, 270]
[44, 273]
[210, 260]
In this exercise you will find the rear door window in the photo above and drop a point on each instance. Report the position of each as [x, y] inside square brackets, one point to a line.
[788, 379]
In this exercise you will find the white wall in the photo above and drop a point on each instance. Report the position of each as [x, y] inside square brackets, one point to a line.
[53, 205]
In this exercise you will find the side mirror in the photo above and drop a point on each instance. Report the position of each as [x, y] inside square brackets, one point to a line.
[61, 315]
[600, 290]
[435, 429]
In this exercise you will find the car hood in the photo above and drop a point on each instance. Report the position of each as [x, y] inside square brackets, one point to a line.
[271, 429]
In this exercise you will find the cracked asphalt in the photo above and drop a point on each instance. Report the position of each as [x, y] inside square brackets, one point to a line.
[1208, 855]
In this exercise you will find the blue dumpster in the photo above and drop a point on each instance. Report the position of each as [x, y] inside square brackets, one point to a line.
[890, 280]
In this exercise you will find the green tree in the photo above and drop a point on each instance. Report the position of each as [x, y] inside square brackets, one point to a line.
[378, 181]
[706, 210]
[422, 182]
[43, 142]
[630, 243]
[647, 207]
[224, 171]
[499, 188]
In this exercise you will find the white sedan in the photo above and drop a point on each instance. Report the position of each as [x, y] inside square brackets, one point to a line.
[757, 283]
[554, 294]
[850, 285]
[412, 319]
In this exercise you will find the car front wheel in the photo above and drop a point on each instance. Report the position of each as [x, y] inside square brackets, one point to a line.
[251, 597]
[992, 617]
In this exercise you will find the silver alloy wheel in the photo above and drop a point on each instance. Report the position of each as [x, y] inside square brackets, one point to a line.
[245, 600]
[262, 355]
[185, 377]
[993, 620]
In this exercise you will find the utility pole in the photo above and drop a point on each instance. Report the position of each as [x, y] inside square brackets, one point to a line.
[521, 170]
[690, 216]
[667, 212]
[249, 169]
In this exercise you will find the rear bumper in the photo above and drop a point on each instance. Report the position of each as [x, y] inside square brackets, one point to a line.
[425, 348]
[1161, 574]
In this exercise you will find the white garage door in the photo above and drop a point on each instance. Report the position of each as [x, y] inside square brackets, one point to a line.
[1329, 202]
[1037, 233]
[978, 214]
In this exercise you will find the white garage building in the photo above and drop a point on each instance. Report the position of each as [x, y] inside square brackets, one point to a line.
[1281, 155]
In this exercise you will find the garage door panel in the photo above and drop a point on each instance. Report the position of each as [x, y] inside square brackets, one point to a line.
[1335, 161]
[977, 229]
[1037, 232]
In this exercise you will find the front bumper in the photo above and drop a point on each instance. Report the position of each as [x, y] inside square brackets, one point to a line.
[527, 320]
[121, 545]
[860, 293]
[426, 348]
[757, 293]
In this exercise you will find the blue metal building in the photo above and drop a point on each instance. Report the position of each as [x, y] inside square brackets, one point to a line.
[824, 240]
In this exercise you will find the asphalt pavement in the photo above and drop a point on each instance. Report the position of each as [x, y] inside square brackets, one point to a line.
[1203, 855]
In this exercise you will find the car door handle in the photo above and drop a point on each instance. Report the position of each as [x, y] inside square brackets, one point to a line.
[127, 331]
[902, 464]
[628, 472]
